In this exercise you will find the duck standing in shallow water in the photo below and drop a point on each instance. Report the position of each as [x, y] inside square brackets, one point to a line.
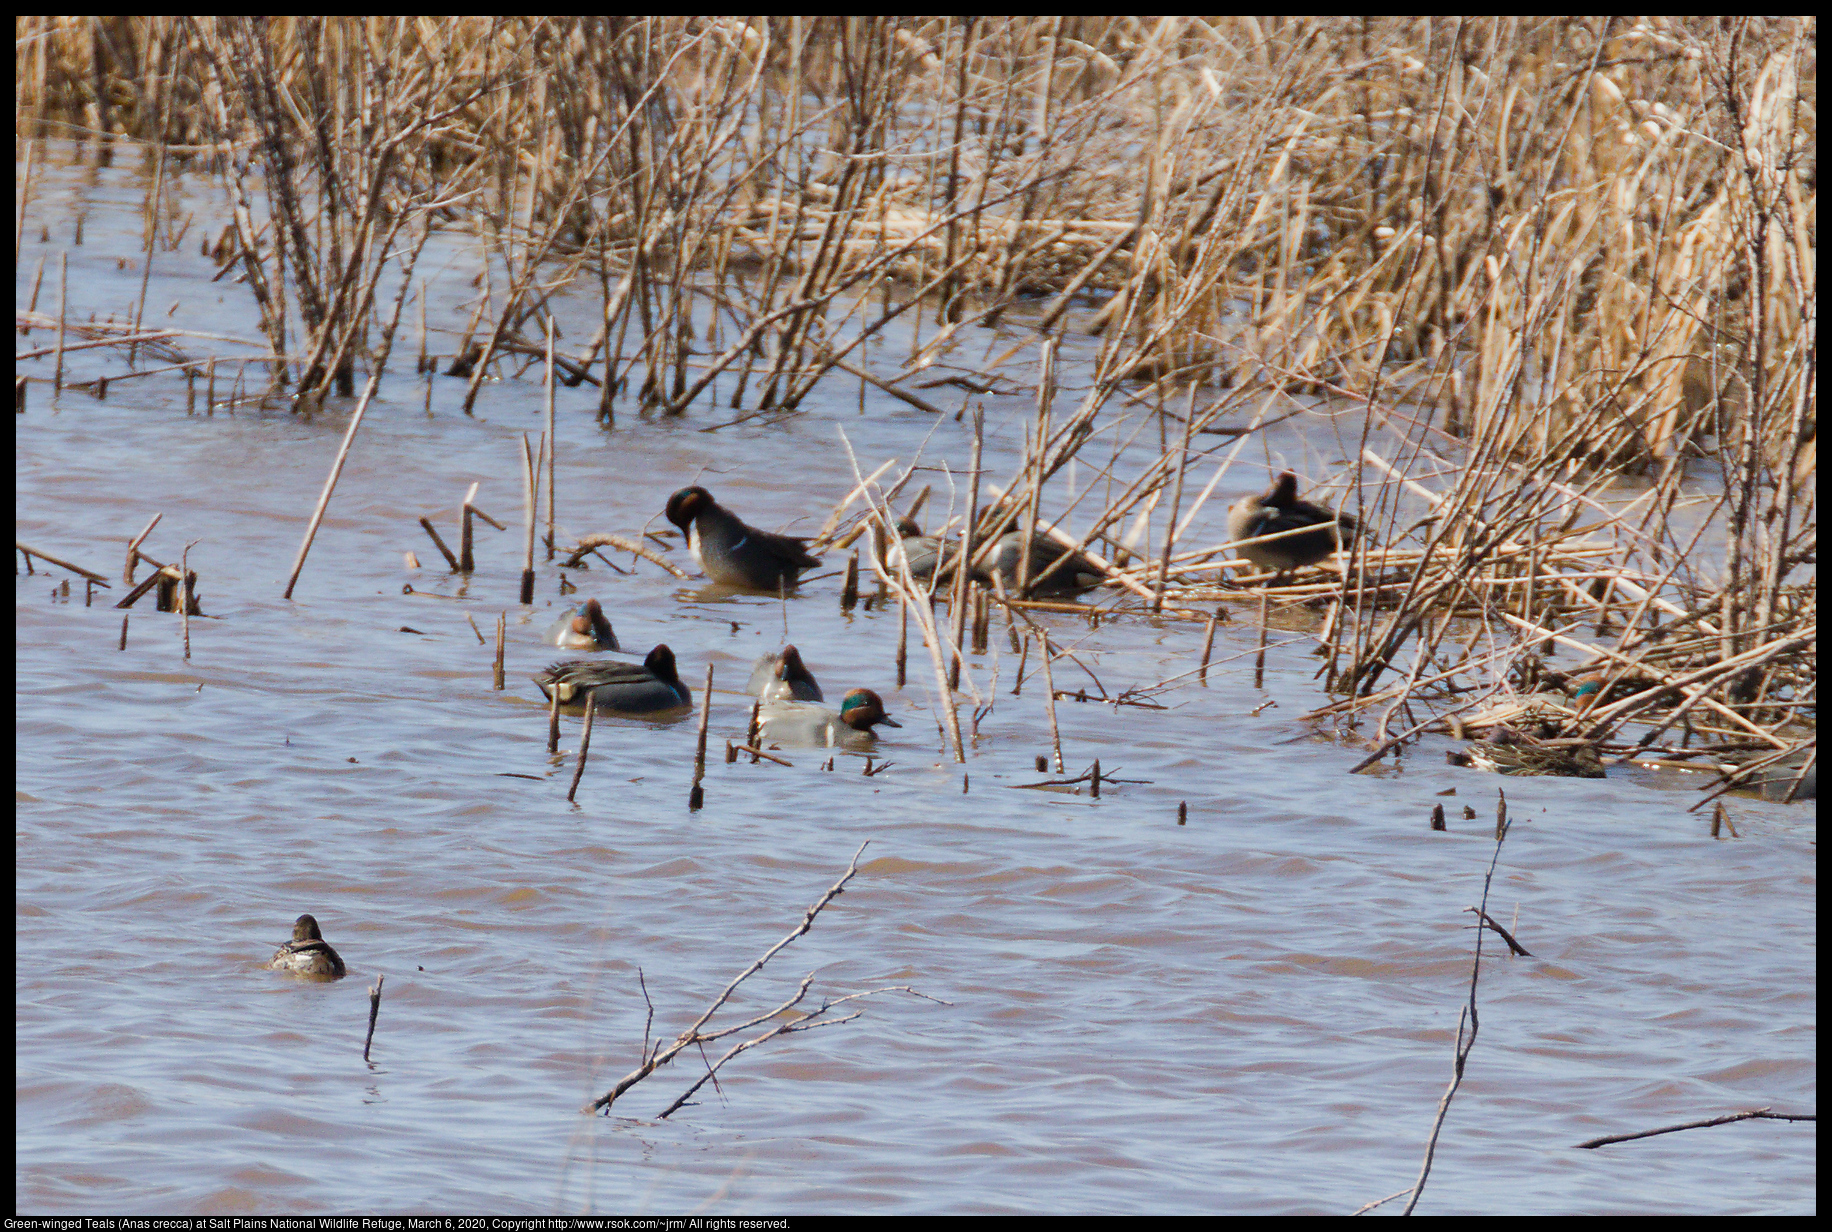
[650, 687]
[729, 551]
[805, 723]
[582, 628]
[783, 677]
[1279, 510]
[308, 953]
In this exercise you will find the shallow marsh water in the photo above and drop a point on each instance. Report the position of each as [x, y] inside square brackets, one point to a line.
[1253, 1012]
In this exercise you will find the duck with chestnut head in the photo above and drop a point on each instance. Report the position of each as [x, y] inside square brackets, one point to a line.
[783, 676]
[807, 724]
[582, 628]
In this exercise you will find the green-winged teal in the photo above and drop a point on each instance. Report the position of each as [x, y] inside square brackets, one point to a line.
[920, 550]
[1777, 779]
[1509, 752]
[805, 723]
[729, 551]
[308, 953]
[582, 628]
[649, 687]
[1076, 574]
[1279, 510]
[783, 677]
[1543, 711]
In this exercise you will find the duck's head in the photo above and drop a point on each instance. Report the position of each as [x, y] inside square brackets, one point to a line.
[592, 622]
[1284, 490]
[907, 528]
[687, 504]
[661, 662]
[789, 665]
[861, 708]
[305, 928]
[1586, 690]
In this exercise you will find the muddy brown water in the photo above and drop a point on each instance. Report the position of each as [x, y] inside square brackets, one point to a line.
[1251, 1012]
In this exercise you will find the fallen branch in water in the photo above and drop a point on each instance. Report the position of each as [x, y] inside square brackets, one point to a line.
[695, 1036]
[588, 542]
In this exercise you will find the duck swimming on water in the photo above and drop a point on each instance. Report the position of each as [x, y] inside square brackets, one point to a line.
[650, 687]
[805, 723]
[308, 953]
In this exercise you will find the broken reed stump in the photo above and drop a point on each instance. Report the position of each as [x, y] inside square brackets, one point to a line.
[530, 501]
[751, 732]
[696, 795]
[375, 1008]
[585, 741]
[849, 593]
[1259, 657]
[440, 544]
[502, 620]
[1183, 812]
[1208, 646]
[1049, 698]
[466, 558]
[553, 720]
[903, 639]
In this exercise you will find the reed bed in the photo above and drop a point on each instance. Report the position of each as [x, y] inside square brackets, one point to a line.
[1547, 260]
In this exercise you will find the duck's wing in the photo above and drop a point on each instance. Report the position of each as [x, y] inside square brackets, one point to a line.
[591, 673]
[790, 551]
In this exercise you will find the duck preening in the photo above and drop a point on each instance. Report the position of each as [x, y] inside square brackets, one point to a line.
[582, 628]
[783, 676]
[730, 551]
[1308, 532]
[1042, 575]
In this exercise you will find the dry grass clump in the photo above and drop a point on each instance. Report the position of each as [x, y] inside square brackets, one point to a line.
[1539, 255]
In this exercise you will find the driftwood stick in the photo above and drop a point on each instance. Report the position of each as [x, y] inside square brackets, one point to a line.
[589, 542]
[693, 1035]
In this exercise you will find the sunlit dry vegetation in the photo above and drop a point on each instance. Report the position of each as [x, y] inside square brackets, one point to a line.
[1540, 258]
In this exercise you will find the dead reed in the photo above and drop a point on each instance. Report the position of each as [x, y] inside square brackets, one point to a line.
[1563, 268]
